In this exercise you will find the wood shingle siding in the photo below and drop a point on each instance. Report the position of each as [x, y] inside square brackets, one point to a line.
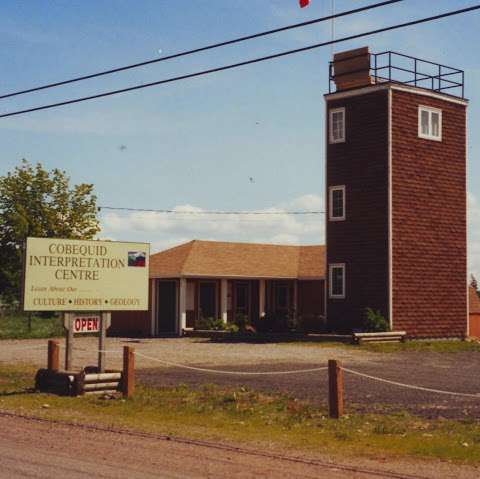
[361, 241]
[429, 220]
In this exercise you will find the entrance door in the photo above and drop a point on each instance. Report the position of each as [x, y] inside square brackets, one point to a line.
[242, 305]
[208, 300]
[167, 307]
[282, 298]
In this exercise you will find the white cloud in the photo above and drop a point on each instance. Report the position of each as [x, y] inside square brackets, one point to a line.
[166, 230]
[308, 202]
[285, 238]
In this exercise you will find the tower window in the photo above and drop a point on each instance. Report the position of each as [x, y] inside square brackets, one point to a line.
[336, 202]
[430, 123]
[337, 125]
[337, 281]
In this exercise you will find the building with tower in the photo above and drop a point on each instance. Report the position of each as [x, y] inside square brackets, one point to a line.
[396, 221]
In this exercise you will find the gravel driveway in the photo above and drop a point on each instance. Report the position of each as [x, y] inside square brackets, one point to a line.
[446, 371]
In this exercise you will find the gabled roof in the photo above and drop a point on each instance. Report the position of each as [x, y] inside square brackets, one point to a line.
[474, 301]
[238, 260]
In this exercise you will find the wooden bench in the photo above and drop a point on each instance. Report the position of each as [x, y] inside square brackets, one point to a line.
[391, 336]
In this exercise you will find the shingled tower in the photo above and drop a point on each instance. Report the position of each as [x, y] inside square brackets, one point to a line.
[396, 194]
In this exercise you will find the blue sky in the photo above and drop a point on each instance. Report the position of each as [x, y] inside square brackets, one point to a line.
[196, 144]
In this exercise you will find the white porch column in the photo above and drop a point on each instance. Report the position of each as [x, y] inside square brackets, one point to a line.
[224, 300]
[182, 305]
[261, 298]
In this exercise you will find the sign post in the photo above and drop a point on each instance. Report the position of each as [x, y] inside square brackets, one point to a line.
[104, 325]
[81, 324]
[68, 325]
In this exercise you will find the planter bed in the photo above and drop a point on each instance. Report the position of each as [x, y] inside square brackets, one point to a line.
[251, 336]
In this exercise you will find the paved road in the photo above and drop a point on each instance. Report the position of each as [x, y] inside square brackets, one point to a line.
[446, 371]
[33, 449]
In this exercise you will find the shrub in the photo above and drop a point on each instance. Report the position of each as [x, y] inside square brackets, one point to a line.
[241, 321]
[374, 321]
[279, 322]
[210, 324]
[232, 328]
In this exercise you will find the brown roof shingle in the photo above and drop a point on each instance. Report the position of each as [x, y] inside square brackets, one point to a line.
[245, 260]
[474, 301]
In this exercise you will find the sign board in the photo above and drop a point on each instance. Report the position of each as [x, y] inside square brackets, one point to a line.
[78, 275]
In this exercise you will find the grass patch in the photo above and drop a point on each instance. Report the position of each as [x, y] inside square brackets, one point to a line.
[15, 326]
[436, 346]
[241, 415]
[452, 346]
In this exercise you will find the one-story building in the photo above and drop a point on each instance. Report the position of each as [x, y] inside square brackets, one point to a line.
[221, 280]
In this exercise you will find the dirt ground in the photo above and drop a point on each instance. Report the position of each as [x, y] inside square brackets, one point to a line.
[34, 449]
[456, 372]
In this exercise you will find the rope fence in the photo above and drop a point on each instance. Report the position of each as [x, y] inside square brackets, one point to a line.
[221, 371]
[296, 371]
[335, 373]
[293, 371]
[409, 386]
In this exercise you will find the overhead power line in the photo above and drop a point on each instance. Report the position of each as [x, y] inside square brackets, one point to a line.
[209, 212]
[244, 63]
[198, 50]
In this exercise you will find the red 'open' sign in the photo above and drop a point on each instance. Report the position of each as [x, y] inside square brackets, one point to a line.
[86, 324]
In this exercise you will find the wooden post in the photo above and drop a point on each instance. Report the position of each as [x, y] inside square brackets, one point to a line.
[67, 323]
[335, 389]
[128, 376]
[101, 344]
[53, 363]
[105, 320]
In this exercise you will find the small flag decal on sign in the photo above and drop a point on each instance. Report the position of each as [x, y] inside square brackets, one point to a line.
[137, 259]
[304, 3]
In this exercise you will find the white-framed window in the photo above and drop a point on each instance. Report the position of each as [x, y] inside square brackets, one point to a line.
[336, 283]
[430, 123]
[336, 203]
[337, 125]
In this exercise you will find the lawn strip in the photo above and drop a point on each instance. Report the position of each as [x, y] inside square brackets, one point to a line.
[431, 346]
[15, 326]
[437, 346]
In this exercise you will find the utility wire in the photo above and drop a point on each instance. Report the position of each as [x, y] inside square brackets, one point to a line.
[201, 49]
[247, 62]
[206, 212]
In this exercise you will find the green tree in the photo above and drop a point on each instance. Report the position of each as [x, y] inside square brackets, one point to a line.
[40, 203]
